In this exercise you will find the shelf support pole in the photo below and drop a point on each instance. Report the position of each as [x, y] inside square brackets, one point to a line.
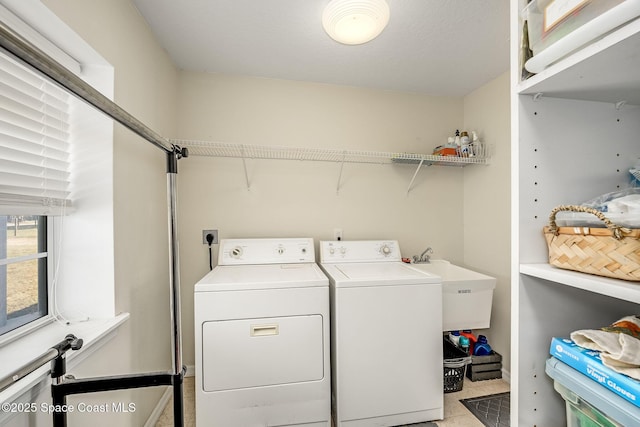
[414, 175]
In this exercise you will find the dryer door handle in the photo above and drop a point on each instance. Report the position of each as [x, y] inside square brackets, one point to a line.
[264, 330]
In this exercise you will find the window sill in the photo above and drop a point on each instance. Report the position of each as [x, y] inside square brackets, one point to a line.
[94, 333]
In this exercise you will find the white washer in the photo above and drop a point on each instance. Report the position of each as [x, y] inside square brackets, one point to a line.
[262, 337]
[386, 336]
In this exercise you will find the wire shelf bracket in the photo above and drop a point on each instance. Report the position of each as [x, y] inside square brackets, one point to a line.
[413, 178]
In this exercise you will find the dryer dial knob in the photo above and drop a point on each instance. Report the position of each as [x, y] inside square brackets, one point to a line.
[385, 250]
[236, 252]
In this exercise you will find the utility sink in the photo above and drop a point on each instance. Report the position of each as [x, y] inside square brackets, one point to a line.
[466, 295]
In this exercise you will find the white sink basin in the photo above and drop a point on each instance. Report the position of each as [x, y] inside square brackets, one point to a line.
[466, 295]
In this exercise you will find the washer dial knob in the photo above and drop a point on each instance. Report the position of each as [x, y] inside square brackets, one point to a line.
[385, 250]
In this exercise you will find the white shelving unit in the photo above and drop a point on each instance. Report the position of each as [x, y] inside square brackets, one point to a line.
[246, 151]
[575, 134]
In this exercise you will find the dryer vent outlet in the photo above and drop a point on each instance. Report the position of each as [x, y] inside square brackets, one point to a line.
[205, 233]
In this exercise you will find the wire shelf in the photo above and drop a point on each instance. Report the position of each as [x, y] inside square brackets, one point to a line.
[246, 151]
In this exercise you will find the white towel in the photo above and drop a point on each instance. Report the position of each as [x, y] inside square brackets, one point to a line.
[618, 344]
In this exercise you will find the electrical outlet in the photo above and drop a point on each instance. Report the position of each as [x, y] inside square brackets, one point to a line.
[337, 234]
[215, 236]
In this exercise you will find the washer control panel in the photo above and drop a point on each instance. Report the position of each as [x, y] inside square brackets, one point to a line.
[266, 251]
[339, 251]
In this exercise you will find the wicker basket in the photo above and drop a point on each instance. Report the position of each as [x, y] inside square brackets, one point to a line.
[613, 251]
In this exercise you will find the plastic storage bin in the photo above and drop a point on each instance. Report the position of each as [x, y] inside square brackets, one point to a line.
[588, 404]
[580, 413]
[455, 363]
[551, 20]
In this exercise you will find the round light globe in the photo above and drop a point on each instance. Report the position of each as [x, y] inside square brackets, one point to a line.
[355, 22]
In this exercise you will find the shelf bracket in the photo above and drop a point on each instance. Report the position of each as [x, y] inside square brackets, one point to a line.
[414, 175]
[537, 96]
[246, 174]
[620, 104]
[344, 154]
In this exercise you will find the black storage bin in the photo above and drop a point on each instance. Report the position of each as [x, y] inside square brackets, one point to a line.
[455, 364]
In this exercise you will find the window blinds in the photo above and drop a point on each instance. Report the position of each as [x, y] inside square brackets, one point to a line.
[34, 143]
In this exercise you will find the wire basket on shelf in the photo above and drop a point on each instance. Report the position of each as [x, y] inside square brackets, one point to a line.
[476, 149]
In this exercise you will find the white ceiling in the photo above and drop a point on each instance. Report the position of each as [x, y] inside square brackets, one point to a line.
[437, 47]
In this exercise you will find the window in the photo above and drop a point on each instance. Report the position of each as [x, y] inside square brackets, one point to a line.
[34, 184]
[23, 270]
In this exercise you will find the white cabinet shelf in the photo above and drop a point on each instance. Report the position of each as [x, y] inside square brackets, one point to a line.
[246, 151]
[575, 133]
[620, 289]
[607, 71]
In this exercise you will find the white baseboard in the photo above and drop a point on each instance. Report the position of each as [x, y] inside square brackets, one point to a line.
[157, 411]
[191, 371]
[506, 376]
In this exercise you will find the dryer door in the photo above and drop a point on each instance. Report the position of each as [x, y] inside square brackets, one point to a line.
[259, 352]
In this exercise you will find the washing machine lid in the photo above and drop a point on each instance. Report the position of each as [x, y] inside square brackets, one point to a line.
[377, 274]
[252, 277]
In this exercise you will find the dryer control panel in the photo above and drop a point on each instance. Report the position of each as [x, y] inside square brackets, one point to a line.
[266, 251]
[340, 251]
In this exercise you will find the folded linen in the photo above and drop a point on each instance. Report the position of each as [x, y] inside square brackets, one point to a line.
[618, 344]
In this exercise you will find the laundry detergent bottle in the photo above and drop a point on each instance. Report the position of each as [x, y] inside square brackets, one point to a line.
[482, 347]
[472, 339]
[454, 337]
[464, 344]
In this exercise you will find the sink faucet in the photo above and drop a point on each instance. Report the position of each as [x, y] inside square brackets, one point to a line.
[424, 256]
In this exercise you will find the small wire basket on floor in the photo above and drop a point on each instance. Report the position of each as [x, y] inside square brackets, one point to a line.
[455, 365]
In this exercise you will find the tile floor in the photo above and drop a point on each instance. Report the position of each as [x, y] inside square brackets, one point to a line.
[455, 414]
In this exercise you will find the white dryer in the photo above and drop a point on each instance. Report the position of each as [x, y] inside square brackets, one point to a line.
[386, 336]
[262, 337]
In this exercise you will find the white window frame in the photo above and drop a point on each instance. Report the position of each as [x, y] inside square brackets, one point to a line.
[38, 321]
[84, 269]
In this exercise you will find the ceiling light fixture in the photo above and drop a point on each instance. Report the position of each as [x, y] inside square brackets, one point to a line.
[355, 22]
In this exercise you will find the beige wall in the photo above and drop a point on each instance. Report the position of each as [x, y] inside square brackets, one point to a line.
[487, 204]
[449, 209]
[295, 198]
[145, 86]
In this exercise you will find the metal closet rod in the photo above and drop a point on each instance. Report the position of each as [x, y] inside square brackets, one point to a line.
[50, 68]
